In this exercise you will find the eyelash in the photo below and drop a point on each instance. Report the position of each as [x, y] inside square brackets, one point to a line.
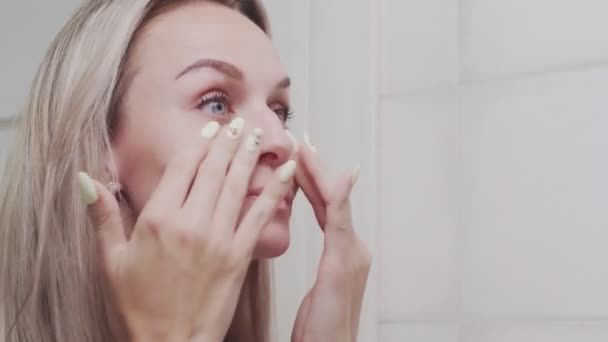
[218, 95]
[215, 95]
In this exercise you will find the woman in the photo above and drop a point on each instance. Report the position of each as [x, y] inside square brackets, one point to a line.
[152, 180]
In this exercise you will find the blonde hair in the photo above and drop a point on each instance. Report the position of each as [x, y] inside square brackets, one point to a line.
[51, 289]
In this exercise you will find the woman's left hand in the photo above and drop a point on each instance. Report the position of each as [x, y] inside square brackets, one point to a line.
[331, 310]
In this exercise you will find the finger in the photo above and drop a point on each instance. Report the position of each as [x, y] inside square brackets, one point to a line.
[312, 193]
[179, 173]
[236, 184]
[104, 213]
[203, 196]
[301, 318]
[334, 209]
[264, 207]
[358, 299]
[309, 184]
[311, 163]
[312, 168]
[339, 207]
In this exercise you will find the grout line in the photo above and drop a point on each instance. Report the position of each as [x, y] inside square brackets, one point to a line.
[461, 228]
[375, 158]
[460, 34]
[419, 91]
[496, 79]
[566, 68]
[460, 238]
[499, 320]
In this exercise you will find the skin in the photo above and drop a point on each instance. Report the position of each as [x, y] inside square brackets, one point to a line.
[162, 115]
[204, 208]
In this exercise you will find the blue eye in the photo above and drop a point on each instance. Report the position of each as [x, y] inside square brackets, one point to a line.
[215, 103]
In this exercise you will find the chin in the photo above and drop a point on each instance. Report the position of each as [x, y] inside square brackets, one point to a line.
[273, 241]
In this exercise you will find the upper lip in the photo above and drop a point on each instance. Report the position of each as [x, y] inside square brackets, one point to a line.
[257, 191]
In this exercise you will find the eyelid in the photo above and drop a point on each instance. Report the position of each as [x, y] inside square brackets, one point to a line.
[215, 94]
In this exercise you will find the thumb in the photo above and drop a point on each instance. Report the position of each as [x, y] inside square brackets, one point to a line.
[104, 212]
[339, 214]
[297, 333]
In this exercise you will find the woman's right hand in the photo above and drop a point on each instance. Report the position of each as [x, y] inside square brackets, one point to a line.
[179, 275]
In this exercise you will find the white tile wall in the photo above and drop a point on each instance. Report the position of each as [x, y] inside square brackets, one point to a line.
[419, 151]
[438, 332]
[26, 30]
[494, 195]
[501, 38]
[535, 205]
[537, 332]
[419, 44]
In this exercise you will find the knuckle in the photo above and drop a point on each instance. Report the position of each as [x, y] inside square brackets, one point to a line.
[101, 219]
[218, 249]
[184, 237]
[154, 223]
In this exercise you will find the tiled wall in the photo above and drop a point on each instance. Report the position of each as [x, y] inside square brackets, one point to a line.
[494, 181]
[26, 30]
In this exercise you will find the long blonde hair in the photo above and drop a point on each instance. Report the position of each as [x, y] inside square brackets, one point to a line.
[51, 289]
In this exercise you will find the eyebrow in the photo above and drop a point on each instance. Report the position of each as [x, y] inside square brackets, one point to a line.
[226, 69]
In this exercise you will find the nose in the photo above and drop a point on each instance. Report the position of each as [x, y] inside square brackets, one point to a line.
[276, 146]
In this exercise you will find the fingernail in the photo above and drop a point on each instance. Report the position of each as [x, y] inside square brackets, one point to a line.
[87, 188]
[254, 139]
[355, 176]
[309, 143]
[294, 141]
[236, 127]
[287, 171]
[210, 130]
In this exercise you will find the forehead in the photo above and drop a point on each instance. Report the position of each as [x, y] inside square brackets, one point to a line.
[202, 29]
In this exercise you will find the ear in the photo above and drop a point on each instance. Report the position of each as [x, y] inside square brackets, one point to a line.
[112, 166]
[112, 170]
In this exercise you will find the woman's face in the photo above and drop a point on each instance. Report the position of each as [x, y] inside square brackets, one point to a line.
[197, 63]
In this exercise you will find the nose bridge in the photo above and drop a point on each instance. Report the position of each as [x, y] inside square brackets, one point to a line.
[276, 145]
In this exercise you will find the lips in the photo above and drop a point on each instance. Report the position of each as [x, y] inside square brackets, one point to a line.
[287, 200]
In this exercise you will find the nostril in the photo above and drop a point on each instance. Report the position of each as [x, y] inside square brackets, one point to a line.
[270, 158]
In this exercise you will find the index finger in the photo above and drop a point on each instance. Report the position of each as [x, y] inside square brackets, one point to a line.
[177, 179]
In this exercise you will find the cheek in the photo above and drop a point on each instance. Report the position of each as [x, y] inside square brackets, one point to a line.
[143, 155]
[274, 239]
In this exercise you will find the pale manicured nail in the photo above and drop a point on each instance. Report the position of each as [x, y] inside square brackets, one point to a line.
[254, 140]
[236, 127]
[287, 171]
[87, 188]
[309, 143]
[355, 176]
[294, 141]
[210, 130]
